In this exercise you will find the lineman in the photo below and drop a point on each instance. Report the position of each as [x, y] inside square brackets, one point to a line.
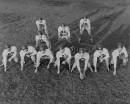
[80, 57]
[85, 24]
[119, 53]
[44, 55]
[29, 52]
[63, 56]
[9, 52]
[101, 54]
[41, 38]
[41, 25]
[64, 32]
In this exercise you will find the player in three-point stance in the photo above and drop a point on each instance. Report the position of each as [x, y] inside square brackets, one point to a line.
[119, 53]
[85, 25]
[41, 26]
[63, 56]
[81, 57]
[44, 55]
[100, 55]
[63, 33]
[9, 53]
[29, 52]
[41, 38]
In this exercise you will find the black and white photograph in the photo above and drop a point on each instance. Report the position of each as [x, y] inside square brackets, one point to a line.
[64, 52]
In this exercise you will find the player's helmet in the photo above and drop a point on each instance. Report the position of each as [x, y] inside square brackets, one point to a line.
[99, 47]
[39, 33]
[81, 50]
[40, 18]
[119, 45]
[24, 47]
[7, 46]
[63, 24]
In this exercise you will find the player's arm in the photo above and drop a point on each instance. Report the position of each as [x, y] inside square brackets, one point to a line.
[77, 64]
[80, 25]
[68, 29]
[68, 52]
[34, 52]
[38, 56]
[51, 58]
[125, 52]
[4, 60]
[106, 54]
[95, 56]
[14, 54]
[59, 31]
[37, 24]
[89, 25]
[36, 41]
[22, 55]
[86, 62]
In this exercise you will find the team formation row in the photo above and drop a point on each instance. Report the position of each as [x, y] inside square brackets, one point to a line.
[63, 56]
[43, 52]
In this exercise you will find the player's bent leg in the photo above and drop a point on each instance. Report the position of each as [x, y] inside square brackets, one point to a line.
[33, 59]
[73, 67]
[58, 65]
[115, 65]
[85, 67]
[125, 60]
[107, 63]
[5, 64]
[69, 63]
[16, 59]
[89, 65]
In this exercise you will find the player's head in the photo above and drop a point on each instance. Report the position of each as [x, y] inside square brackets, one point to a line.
[39, 33]
[63, 24]
[81, 50]
[85, 17]
[61, 47]
[42, 47]
[99, 47]
[40, 18]
[24, 47]
[7, 46]
[119, 46]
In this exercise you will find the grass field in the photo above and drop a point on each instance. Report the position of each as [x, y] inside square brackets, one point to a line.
[111, 24]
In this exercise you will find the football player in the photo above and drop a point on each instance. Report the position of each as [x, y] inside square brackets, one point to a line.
[100, 55]
[44, 55]
[29, 52]
[63, 56]
[119, 53]
[9, 53]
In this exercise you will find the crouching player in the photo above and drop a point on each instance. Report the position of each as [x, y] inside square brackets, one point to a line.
[81, 57]
[42, 56]
[29, 52]
[85, 24]
[100, 55]
[63, 56]
[119, 53]
[41, 38]
[41, 25]
[64, 32]
[9, 53]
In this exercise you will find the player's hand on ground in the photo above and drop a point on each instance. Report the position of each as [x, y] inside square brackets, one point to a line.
[81, 76]
[95, 70]
[10, 60]
[63, 62]
[114, 73]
